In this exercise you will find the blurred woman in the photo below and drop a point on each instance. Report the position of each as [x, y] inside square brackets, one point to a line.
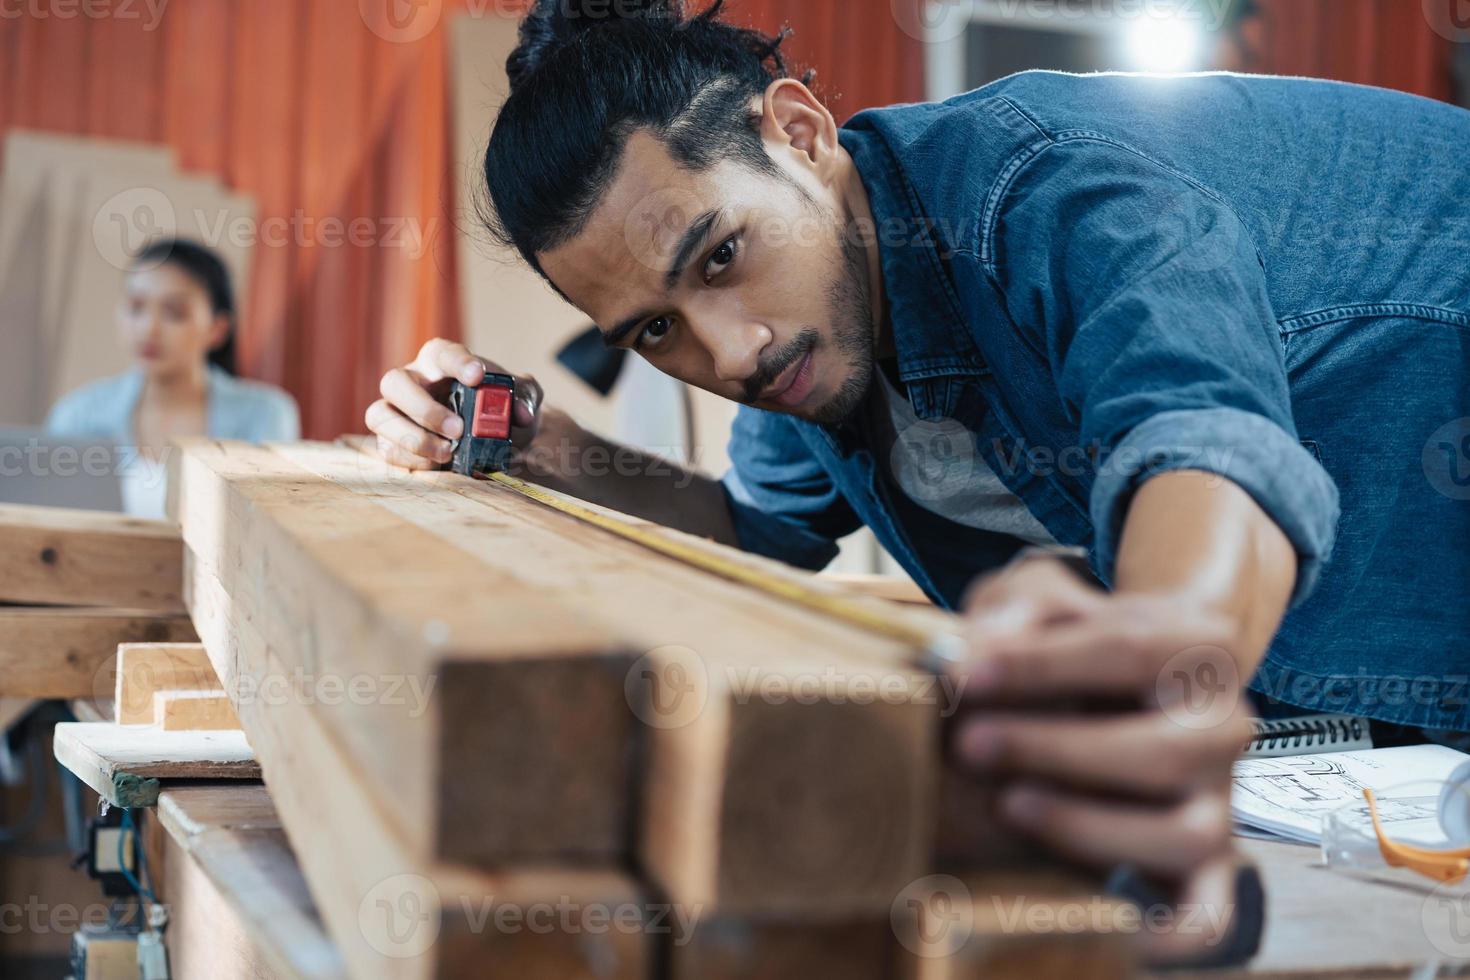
[177, 315]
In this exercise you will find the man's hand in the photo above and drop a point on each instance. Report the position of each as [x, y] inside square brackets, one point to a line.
[1111, 721]
[416, 429]
[414, 426]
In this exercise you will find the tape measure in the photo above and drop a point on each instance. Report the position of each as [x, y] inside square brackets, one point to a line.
[867, 615]
[485, 450]
[488, 412]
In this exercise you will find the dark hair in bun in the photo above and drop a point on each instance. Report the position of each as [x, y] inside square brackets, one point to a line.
[587, 74]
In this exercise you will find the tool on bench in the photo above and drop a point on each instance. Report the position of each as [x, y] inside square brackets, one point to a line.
[867, 615]
[485, 451]
[488, 411]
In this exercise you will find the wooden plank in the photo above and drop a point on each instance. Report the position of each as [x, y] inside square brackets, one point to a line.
[240, 905]
[186, 811]
[125, 765]
[782, 696]
[145, 669]
[59, 556]
[992, 926]
[362, 872]
[350, 597]
[30, 159]
[727, 949]
[1012, 926]
[209, 932]
[71, 653]
[194, 711]
[889, 587]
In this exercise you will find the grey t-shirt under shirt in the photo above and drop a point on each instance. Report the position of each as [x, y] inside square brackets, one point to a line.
[936, 465]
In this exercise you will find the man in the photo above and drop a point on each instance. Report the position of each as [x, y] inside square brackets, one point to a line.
[1212, 330]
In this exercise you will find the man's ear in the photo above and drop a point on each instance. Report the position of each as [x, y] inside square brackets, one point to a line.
[794, 119]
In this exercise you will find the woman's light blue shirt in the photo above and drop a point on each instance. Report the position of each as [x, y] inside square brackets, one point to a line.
[251, 411]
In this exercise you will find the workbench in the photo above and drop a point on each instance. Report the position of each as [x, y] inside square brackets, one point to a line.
[1320, 924]
[540, 761]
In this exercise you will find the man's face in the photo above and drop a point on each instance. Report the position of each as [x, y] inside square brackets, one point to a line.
[735, 281]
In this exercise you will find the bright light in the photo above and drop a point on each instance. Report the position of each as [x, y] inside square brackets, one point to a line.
[1164, 44]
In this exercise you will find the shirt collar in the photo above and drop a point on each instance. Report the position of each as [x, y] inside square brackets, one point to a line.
[929, 333]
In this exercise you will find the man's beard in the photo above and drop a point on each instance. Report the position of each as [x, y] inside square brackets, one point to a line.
[850, 312]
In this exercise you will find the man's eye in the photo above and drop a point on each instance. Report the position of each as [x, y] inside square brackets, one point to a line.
[721, 259]
[654, 331]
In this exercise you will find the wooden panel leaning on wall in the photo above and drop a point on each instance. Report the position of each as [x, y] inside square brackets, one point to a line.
[484, 698]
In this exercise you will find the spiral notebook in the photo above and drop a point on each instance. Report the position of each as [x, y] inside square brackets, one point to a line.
[1307, 735]
[1286, 797]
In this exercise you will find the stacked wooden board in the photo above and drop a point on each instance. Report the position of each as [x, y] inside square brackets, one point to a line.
[505, 743]
[171, 722]
[73, 585]
[241, 908]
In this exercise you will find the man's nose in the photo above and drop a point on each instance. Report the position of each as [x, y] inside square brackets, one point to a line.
[734, 345]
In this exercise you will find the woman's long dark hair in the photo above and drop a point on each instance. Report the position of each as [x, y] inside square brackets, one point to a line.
[205, 267]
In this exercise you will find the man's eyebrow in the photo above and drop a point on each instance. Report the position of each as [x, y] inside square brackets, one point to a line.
[689, 246]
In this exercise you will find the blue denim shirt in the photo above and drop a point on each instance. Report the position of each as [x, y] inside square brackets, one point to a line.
[1096, 279]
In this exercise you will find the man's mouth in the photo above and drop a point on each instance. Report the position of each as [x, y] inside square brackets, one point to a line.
[793, 385]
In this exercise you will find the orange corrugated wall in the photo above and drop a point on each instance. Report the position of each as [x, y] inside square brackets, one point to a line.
[1399, 44]
[299, 104]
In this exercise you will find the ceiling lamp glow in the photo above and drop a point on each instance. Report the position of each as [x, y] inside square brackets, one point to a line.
[1164, 44]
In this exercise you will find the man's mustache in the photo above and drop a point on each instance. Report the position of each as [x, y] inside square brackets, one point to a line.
[778, 362]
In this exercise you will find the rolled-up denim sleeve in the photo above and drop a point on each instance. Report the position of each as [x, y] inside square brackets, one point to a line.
[782, 501]
[1146, 295]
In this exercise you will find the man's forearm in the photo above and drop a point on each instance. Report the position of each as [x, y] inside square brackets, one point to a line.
[1200, 537]
[567, 457]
